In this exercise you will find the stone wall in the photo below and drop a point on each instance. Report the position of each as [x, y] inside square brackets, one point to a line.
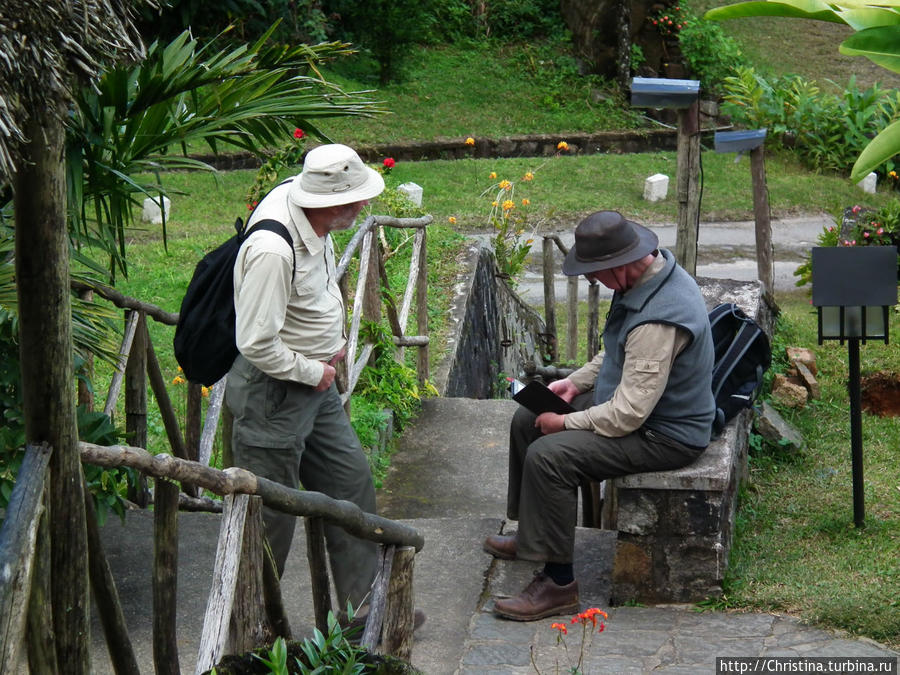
[493, 333]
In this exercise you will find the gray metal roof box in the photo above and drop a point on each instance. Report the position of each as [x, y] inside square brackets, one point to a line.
[661, 92]
[736, 141]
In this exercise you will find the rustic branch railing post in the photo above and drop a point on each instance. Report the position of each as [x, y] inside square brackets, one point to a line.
[211, 423]
[378, 599]
[422, 365]
[318, 571]
[237, 585]
[166, 410]
[165, 577]
[549, 298]
[765, 258]
[572, 318]
[136, 402]
[18, 537]
[116, 384]
[397, 632]
[41, 638]
[109, 609]
[272, 592]
[192, 430]
[593, 322]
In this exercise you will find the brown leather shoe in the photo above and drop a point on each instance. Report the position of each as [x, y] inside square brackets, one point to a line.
[500, 546]
[541, 598]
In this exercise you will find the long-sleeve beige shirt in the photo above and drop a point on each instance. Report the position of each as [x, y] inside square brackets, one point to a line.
[286, 327]
[650, 350]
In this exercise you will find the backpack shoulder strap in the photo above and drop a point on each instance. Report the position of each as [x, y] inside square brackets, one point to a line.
[279, 229]
[717, 312]
[745, 337]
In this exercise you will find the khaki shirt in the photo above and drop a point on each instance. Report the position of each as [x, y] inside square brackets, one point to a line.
[287, 328]
[650, 350]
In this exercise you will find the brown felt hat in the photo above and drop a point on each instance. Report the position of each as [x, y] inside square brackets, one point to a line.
[604, 240]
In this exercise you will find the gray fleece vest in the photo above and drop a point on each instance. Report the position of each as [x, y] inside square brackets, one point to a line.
[686, 410]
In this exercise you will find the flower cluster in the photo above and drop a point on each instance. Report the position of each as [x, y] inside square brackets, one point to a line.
[591, 621]
[508, 216]
[669, 22]
[179, 379]
[868, 232]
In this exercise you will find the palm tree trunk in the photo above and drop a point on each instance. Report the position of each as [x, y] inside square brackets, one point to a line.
[45, 347]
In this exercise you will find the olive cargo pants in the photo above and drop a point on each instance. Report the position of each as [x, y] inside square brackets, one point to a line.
[294, 435]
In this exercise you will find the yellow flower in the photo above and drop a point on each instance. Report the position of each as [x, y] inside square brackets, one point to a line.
[180, 370]
[204, 391]
[528, 176]
[508, 204]
[492, 175]
[452, 220]
[178, 380]
[494, 204]
[526, 202]
[562, 145]
[470, 141]
[505, 184]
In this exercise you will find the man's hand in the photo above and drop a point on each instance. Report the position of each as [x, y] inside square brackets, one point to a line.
[564, 388]
[550, 423]
[327, 377]
[337, 358]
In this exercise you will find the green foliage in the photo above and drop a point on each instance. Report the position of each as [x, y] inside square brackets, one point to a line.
[332, 653]
[384, 28]
[826, 131]
[387, 383]
[710, 54]
[182, 95]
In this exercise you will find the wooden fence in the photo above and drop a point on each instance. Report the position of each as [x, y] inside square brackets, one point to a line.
[245, 608]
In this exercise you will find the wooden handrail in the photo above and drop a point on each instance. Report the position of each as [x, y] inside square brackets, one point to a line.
[236, 480]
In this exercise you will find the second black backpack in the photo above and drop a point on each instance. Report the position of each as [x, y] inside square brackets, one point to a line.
[205, 345]
[743, 355]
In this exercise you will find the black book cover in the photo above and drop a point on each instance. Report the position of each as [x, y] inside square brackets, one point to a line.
[539, 399]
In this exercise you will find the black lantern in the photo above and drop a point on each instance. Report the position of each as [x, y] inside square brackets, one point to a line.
[853, 289]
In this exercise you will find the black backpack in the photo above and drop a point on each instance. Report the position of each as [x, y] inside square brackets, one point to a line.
[205, 345]
[743, 355]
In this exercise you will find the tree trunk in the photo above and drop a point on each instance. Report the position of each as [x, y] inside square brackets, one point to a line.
[48, 390]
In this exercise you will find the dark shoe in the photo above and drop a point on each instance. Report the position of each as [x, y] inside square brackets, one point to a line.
[500, 546]
[541, 598]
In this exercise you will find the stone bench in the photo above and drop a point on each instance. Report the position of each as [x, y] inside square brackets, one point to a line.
[675, 528]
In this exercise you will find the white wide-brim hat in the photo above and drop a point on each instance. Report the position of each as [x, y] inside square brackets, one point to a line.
[334, 175]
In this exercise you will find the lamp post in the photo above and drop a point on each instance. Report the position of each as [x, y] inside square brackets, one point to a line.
[853, 287]
[753, 140]
[683, 96]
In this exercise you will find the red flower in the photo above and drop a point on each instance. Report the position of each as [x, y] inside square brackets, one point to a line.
[298, 134]
[389, 162]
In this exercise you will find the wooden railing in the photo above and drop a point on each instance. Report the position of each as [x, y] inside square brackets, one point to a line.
[549, 276]
[245, 585]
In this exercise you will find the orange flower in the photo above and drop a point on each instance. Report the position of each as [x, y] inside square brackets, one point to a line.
[492, 175]
[528, 176]
[508, 204]
[526, 202]
[178, 380]
[494, 204]
[561, 627]
[562, 145]
[505, 184]
[452, 220]
[204, 391]
[470, 141]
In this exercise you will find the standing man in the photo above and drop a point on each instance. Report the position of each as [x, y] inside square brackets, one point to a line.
[643, 404]
[289, 423]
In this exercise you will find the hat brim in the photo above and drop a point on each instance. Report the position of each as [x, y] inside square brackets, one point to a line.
[647, 243]
[369, 189]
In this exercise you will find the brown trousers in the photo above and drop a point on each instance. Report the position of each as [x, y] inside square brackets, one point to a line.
[546, 471]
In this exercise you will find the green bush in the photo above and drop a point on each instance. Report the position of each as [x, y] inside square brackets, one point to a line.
[710, 54]
[827, 131]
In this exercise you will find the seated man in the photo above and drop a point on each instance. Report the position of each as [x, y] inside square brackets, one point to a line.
[643, 404]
